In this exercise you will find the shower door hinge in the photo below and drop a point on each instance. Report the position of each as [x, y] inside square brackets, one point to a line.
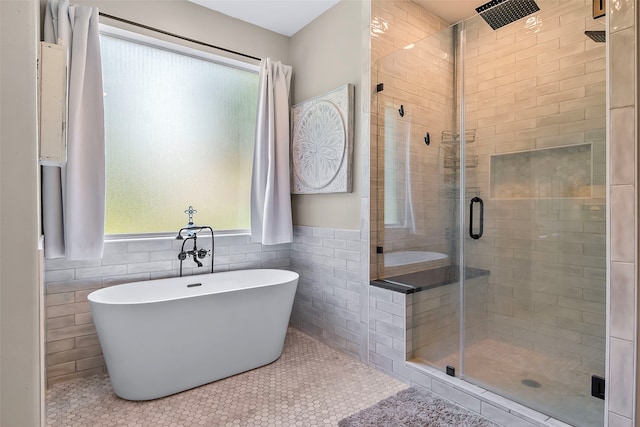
[379, 87]
[597, 387]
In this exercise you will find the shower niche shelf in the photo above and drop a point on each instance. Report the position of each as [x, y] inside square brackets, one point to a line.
[546, 173]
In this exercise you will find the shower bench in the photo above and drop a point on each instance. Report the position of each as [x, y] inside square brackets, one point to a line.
[427, 279]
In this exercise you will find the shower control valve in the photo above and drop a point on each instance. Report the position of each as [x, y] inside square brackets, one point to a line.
[203, 253]
[182, 256]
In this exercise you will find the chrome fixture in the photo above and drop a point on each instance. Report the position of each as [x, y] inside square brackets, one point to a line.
[192, 231]
[190, 225]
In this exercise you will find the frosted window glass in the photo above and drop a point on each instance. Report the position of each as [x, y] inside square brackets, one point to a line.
[179, 132]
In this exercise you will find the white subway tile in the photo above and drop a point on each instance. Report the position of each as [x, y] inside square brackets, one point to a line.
[94, 272]
[148, 267]
[621, 388]
[150, 245]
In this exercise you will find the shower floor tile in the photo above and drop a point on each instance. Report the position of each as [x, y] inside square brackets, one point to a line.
[556, 386]
[310, 385]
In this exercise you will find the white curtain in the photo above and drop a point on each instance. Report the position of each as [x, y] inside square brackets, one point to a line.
[270, 183]
[73, 196]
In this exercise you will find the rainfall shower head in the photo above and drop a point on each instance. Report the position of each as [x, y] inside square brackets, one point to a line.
[499, 13]
[597, 36]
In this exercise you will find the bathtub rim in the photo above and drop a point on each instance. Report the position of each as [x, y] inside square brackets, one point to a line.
[98, 296]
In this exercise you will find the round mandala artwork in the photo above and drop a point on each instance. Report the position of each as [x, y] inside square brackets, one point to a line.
[321, 144]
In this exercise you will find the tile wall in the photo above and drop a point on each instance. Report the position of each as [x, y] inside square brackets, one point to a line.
[330, 304]
[538, 86]
[71, 342]
[390, 336]
[433, 330]
[623, 194]
[333, 291]
[590, 270]
[416, 103]
[528, 86]
[425, 90]
[329, 300]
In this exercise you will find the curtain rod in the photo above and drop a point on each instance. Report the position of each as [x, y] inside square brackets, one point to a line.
[146, 27]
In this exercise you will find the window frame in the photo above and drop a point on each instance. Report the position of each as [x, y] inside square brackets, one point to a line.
[181, 49]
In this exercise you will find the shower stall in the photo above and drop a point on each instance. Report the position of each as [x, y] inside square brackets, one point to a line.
[491, 203]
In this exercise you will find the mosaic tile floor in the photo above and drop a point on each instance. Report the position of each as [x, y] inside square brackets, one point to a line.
[310, 385]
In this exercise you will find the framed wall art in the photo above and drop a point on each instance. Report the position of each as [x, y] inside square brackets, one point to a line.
[322, 143]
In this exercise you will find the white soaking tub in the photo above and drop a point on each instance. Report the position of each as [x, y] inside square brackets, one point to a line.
[164, 336]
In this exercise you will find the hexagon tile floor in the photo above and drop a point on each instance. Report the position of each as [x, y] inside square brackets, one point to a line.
[310, 385]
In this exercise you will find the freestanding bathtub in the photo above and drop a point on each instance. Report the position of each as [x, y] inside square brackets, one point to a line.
[164, 336]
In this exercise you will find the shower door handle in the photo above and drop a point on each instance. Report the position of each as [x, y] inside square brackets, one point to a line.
[478, 235]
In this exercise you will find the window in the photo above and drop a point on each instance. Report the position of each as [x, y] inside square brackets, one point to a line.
[179, 129]
[397, 172]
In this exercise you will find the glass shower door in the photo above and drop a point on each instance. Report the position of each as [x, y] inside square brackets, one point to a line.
[417, 229]
[491, 151]
[534, 211]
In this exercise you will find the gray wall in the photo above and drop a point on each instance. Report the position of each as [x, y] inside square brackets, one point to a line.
[199, 23]
[322, 61]
[326, 55]
[20, 389]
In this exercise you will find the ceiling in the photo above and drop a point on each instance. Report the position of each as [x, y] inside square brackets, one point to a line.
[281, 16]
[286, 17]
[452, 11]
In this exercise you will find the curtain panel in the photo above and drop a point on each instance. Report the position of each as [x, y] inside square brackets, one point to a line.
[271, 221]
[73, 195]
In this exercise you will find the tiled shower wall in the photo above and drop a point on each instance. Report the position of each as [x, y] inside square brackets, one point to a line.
[416, 103]
[434, 331]
[527, 87]
[622, 376]
[71, 342]
[536, 86]
[622, 92]
[425, 90]
[391, 339]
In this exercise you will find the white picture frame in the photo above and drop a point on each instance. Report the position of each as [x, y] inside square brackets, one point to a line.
[322, 143]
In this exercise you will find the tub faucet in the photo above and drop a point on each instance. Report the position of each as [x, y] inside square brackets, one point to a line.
[195, 253]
